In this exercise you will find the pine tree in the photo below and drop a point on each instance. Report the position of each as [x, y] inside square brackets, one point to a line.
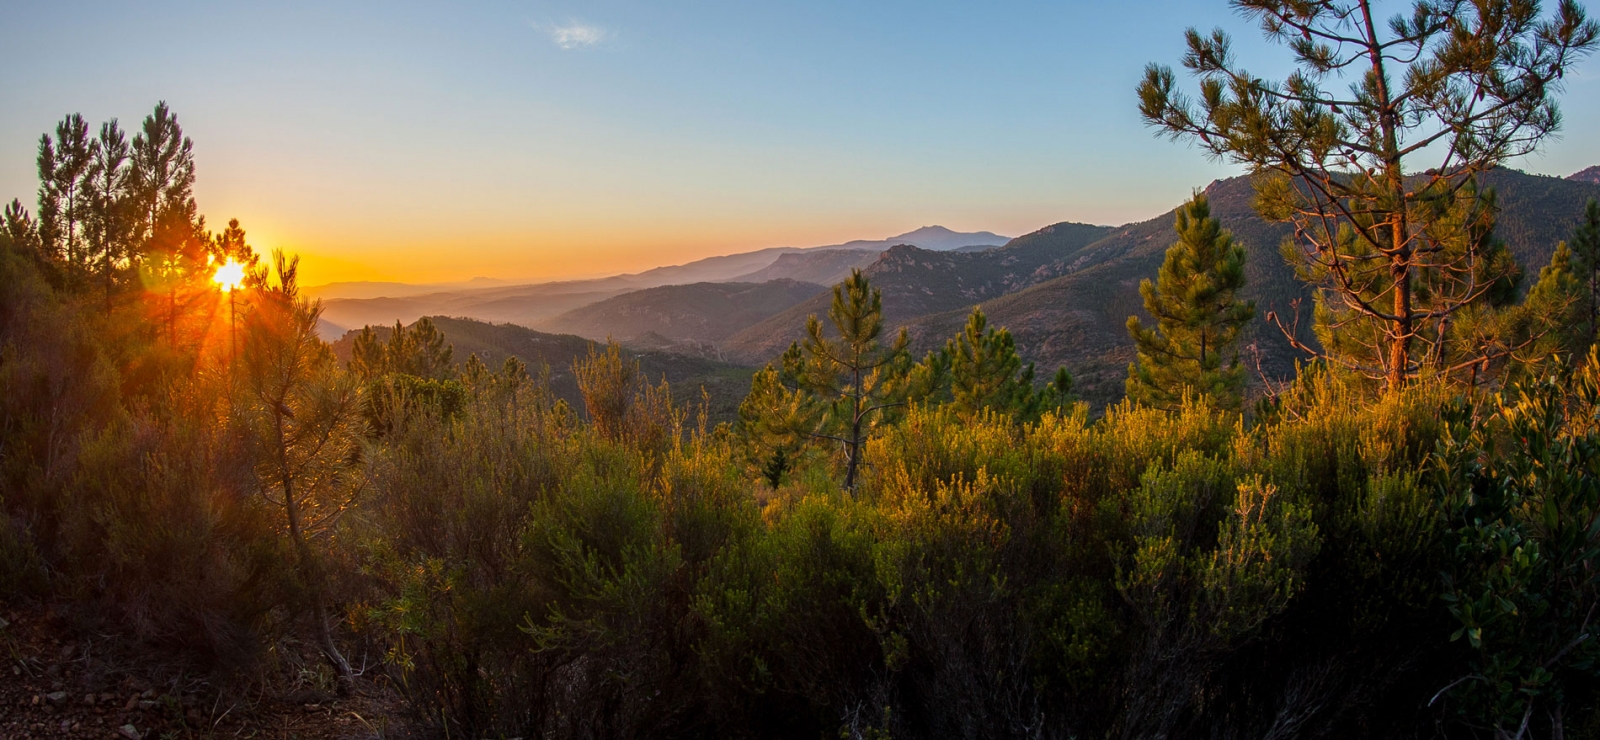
[424, 352]
[230, 244]
[306, 418]
[1585, 246]
[980, 369]
[418, 350]
[826, 390]
[1551, 321]
[17, 228]
[1198, 317]
[368, 355]
[775, 425]
[474, 373]
[1371, 147]
[853, 378]
[108, 191]
[985, 370]
[63, 164]
[163, 183]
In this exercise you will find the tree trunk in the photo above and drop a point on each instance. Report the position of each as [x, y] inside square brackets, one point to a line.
[855, 431]
[308, 567]
[1394, 174]
[1400, 341]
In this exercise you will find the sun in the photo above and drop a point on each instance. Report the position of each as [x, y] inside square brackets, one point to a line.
[230, 275]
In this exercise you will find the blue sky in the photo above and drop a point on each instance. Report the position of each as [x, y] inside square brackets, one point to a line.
[440, 141]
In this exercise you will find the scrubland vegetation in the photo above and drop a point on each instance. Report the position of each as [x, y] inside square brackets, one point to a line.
[1401, 540]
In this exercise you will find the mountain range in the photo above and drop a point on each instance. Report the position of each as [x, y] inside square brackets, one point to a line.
[353, 305]
[699, 313]
[1065, 291]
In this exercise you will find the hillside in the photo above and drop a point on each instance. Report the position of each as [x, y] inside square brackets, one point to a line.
[699, 312]
[725, 384]
[1067, 290]
[823, 267]
[1588, 174]
[1078, 319]
[919, 282]
[523, 304]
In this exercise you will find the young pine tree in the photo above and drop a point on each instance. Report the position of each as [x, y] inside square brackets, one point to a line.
[980, 369]
[985, 370]
[422, 351]
[854, 378]
[305, 416]
[775, 425]
[1585, 246]
[369, 355]
[18, 229]
[1198, 317]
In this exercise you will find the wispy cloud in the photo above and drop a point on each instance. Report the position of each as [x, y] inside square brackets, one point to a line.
[574, 34]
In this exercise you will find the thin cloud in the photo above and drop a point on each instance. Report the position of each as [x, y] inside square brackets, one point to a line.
[575, 34]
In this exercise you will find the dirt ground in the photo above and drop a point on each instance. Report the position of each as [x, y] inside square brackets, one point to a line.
[55, 684]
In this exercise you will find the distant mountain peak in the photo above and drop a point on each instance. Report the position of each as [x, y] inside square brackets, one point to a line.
[1591, 174]
[925, 231]
[943, 239]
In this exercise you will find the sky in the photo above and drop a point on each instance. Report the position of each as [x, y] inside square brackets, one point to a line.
[435, 142]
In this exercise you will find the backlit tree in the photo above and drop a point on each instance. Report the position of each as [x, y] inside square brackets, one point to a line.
[1373, 146]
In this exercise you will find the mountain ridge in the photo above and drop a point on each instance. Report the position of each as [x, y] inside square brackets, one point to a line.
[696, 313]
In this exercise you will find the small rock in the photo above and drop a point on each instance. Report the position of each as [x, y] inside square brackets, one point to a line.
[130, 732]
[66, 724]
[147, 705]
[107, 698]
[148, 694]
[131, 704]
[56, 697]
[88, 699]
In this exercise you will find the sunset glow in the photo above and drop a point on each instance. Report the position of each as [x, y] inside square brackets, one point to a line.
[229, 275]
[550, 141]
